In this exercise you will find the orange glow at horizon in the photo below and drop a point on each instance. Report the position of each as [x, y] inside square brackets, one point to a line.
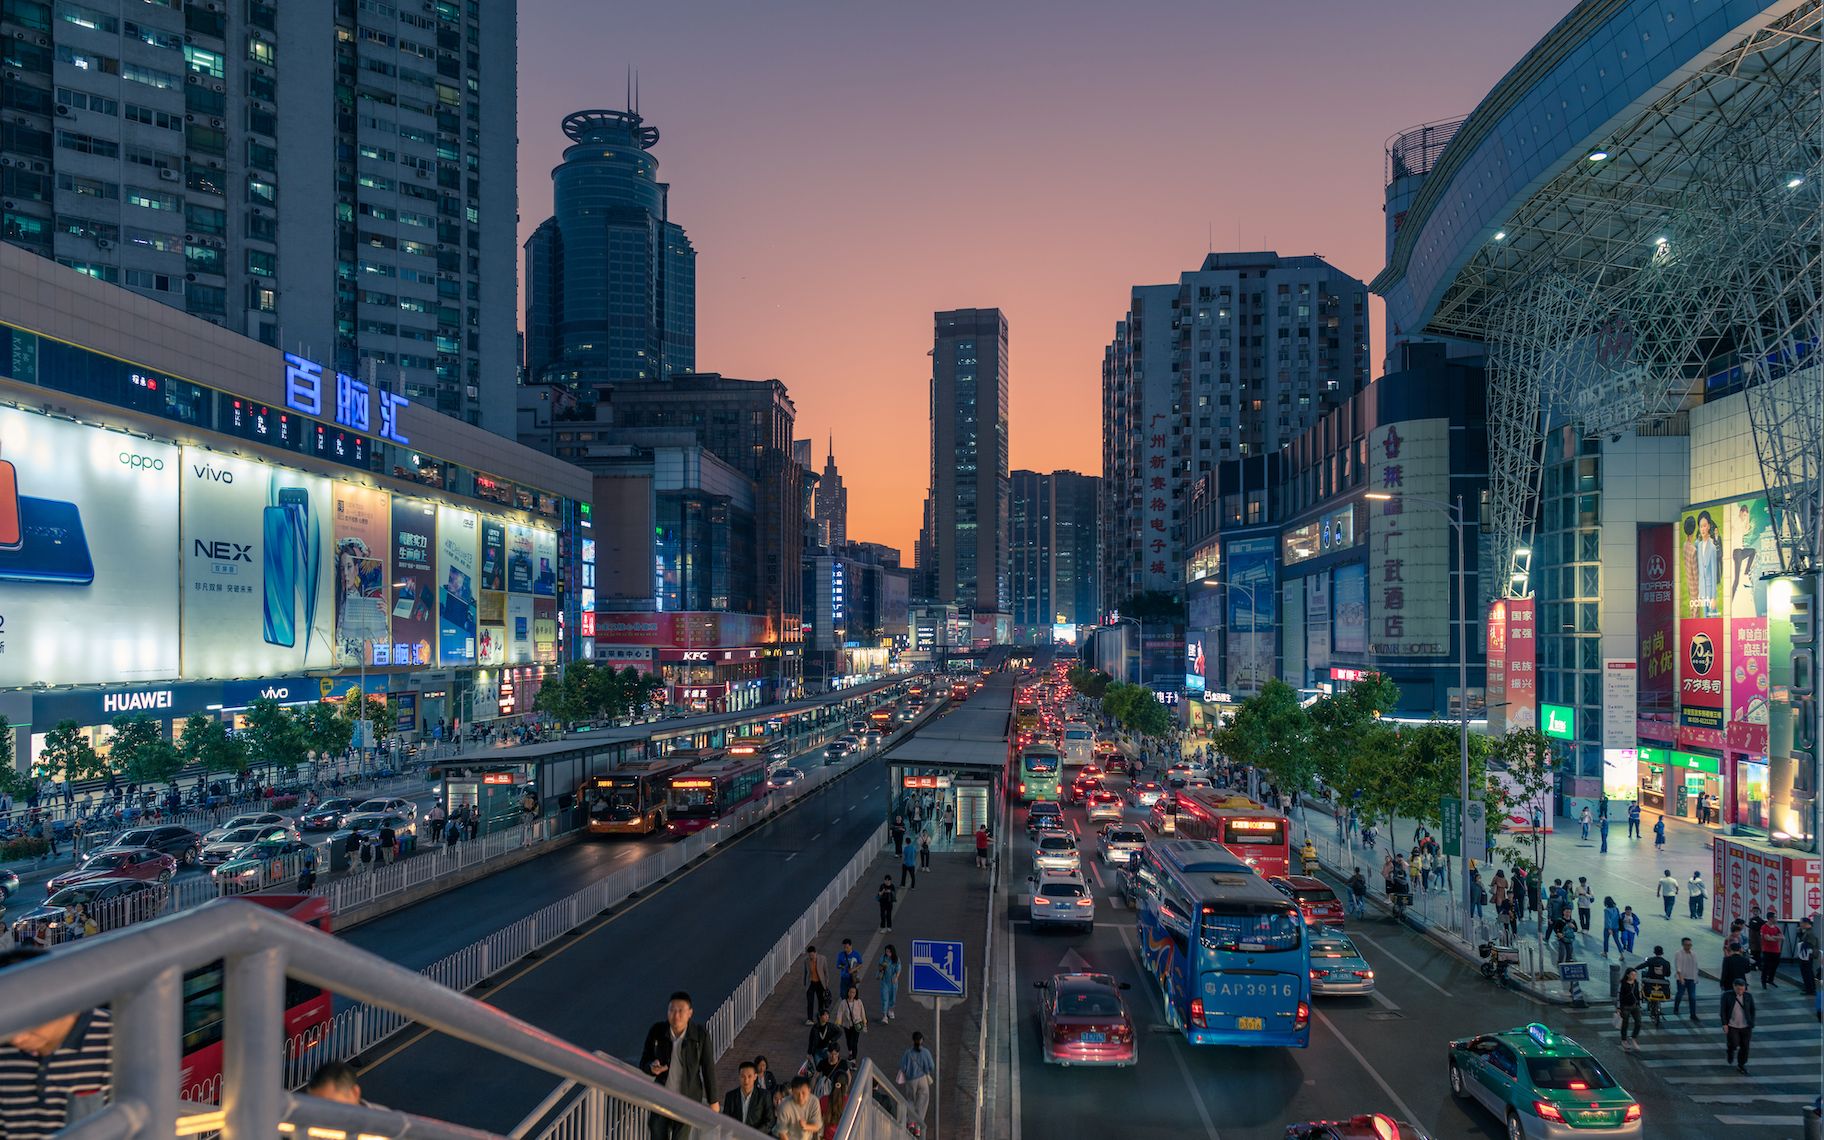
[845, 172]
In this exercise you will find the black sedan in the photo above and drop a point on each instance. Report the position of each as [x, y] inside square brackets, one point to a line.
[180, 843]
[112, 903]
[326, 816]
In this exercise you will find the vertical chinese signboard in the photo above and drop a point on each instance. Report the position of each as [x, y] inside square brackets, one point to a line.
[1409, 542]
[1522, 695]
[1497, 667]
[1156, 503]
[1656, 696]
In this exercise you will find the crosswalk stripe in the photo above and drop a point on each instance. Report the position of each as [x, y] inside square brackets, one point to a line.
[1770, 1063]
[1756, 1121]
[1755, 1099]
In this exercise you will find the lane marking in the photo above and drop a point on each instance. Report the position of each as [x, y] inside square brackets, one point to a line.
[1013, 1027]
[1398, 961]
[1178, 1046]
[1383, 1000]
[1324, 1020]
[1096, 874]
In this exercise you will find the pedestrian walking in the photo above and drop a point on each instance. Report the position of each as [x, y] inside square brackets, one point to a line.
[388, 842]
[924, 852]
[1773, 940]
[852, 1017]
[917, 1069]
[848, 964]
[1358, 893]
[1738, 1024]
[1684, 978]
[1586, 901]
[1668, 887]
[887, 895]
[1627, 1010]
[1736, 965]
[888, 971]
[1659, 836]
[1805, 952]
[1602, 827]
[367, 853]
[908, 867]
[825, 1040]
[1611, 924]
[899, 833]
[1630, 930]
[307, 873]
[679, 1055]
[1751, 937]
[1633, 819]
[1694, 894]
[981, 846]
[815, 977]
[1583, 820]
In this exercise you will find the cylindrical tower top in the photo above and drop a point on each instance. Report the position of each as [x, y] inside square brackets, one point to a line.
[610, 127]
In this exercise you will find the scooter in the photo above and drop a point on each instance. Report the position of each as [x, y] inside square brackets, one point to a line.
[1496, 960]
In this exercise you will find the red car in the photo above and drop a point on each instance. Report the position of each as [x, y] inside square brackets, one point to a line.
[140, 863]
[1084, 1021]
[1315, 899]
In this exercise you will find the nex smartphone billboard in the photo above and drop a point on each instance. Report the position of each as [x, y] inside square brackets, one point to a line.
[124, 559]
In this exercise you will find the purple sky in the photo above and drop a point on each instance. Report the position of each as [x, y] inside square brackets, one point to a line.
[844, 169]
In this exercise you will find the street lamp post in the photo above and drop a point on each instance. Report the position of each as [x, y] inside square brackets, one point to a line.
[1139, 645]
[1454, 515]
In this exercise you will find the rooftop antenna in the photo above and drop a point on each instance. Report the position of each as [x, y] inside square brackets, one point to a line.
[636, 91]
[1211, 239]
[630, 87]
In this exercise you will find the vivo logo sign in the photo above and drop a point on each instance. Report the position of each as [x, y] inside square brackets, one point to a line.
[136, 702]
[223, 551]
[205, 471]
[275, 692]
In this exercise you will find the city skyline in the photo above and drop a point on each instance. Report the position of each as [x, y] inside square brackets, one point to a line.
[865, 246]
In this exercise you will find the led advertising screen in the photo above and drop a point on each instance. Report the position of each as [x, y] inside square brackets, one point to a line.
[1253, 612]
[458, 544]
[1196, 668]
[544, 555]
[1350, 634]
[519, 629]
[88, 527]
[258, 592]
[519, 559]
[363, 531]
[414, 587]
[544, 631]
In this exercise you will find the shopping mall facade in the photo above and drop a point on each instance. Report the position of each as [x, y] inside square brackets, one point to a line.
[1626, 231]
[190, 520]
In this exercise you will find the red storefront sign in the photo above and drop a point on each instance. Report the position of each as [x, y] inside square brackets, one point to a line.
[1522, 694]
[682, 630]
[1700, 683]
[1745, 880]
[687, 694]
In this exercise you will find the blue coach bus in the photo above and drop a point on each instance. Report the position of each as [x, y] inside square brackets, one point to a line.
[1228, 951]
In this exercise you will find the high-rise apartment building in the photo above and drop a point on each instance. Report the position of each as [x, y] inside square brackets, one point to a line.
[1053, 551]
[338, 180]
[966, 531]
[1237, 358]
[832, 505]
[611, 281]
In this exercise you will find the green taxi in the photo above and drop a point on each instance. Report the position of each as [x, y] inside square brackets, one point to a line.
[1542, 1084]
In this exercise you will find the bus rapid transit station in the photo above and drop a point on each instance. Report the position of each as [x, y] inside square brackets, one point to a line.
[962, 757]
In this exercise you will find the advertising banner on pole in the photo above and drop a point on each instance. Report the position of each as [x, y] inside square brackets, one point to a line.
[458, 547]
[363, 533]
[259, 593]
[1497, 666]
[1656, 613]
[89, 585]
[414, 587]
[1522, 694]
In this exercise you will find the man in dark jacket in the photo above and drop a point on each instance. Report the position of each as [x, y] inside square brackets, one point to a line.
[1736, 964]
[824, 1036]
[679, 1056]
[749, 1103]
[1738, 1022]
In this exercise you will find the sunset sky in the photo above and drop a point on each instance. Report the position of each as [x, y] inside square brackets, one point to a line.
[844, 169]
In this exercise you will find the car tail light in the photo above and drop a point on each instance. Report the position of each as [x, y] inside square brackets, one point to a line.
[1318, 975]
[1304, 1015]
[1022, 787]
[1633, 1114]
[1546, 1110]
[1121, 1033]
[1364, 973]
[1197, 1012]
[1086, 901]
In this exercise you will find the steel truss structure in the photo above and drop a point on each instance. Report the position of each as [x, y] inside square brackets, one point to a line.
[1680, 257]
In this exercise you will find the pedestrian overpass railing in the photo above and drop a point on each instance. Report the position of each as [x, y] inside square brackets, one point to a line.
[139, 973]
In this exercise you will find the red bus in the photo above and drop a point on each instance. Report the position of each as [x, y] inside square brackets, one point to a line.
[712, 789]
[307, 1008]
[1260, 838]
[631, 799]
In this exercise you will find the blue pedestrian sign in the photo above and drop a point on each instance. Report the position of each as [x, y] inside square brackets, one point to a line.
[937, 968]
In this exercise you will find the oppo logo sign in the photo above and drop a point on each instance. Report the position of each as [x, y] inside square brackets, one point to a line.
[141, 462]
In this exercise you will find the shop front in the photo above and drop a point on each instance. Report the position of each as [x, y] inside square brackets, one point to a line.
[1674, 781]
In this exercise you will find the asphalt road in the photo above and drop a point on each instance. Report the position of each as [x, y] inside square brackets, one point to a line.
[1381, 1053]
[701, 932]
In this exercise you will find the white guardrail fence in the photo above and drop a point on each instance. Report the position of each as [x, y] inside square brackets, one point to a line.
[360, 1027]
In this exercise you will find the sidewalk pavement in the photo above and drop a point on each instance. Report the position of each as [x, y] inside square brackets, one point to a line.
[950, 902]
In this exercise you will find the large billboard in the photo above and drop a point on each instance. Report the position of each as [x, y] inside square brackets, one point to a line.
[88, 529]
[258, 593]
[1700, 564]
[544, 563]
[458, 546]
[414, 586]
[1656, 632]
[1253, 612]
[1495, 690]
[1196, 666]
[491, 594]
[1702, 649]
[1753, 551]
[1317, 623]
[519, 559]
[1521, 688]
[1409, 542]
[1350, 635]
[363, 534]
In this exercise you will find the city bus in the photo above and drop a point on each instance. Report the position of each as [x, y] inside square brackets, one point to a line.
[881, 721]
[1079, 744]
[1228, 951]
[1026, 719]
[631, 799]
[711, 789]
[1040, 765]
[307, 1008]
[1262, 838]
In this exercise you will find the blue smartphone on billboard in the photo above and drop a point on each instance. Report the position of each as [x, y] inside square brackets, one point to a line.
[282, 537]
[52, 546]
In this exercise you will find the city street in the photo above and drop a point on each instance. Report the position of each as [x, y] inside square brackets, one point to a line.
[1381, 1053]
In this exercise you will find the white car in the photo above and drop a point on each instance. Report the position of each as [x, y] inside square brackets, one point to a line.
[394, 806]
[785, 777]
[248, 819]
[1062, 898]
[1056, 851]
[1120, 841]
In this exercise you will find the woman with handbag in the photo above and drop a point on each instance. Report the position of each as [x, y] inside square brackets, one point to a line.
[852, 1016]
[1627, 1010]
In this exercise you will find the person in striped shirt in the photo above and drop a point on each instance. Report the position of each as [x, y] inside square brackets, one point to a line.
[54, 1074]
